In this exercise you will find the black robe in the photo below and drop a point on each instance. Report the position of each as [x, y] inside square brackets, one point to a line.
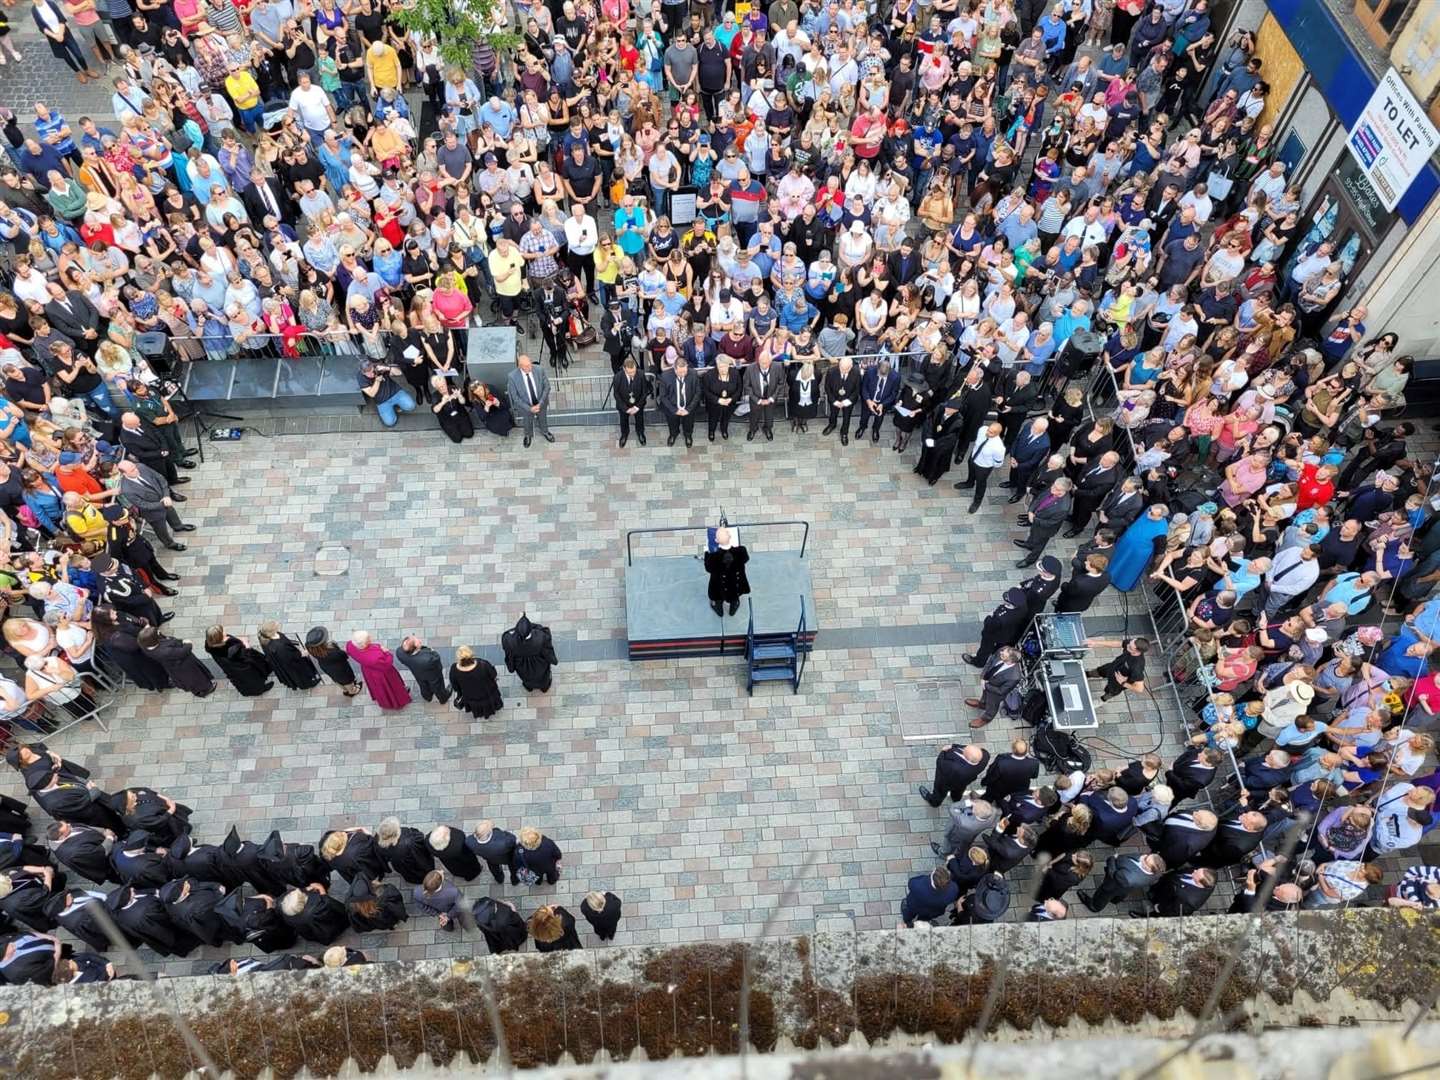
[79, 919]
[244, 857]
[255, 922]
[456, 856]
[604, 921]
[152, 815]
[477, 691]
[251, 964]
[39, 772]
[139, 667]
[336, 665]
[292, 668]
[410, 856]
[246, 668]
[361, 858]
[726, 568]
[148, 867]
[141, 916]
[388, 913]
[568, 939]
[322, 920]
[26, 854]
[37, 967]
[196, 912]
[501, 924]
[86, 851]
[208, 862]
[942, 427]
[529, 653]
[14, 816]
[28, 898]
[72, 801]
[182, 665]
[294, 864]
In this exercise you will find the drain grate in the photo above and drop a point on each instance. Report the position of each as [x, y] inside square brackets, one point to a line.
[332, 560]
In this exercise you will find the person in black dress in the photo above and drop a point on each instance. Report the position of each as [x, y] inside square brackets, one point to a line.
[489, 410]
[602, 912]
[179, 661]
[374, 906]
[115, 638]
[553, 929]
[940, 436]
[726, 567]
[247, 668]
[529, 653]
[331, 659]
[292, 668]
[721, 386]
[474, 682]
[315, 915]
[501, 924]
[1065, 415]
[406, 354]
[448, 844]
[537, 857]
[451, 410]
[404, 850]
[915, 401]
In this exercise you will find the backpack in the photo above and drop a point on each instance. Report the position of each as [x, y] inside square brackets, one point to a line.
[1060, 751]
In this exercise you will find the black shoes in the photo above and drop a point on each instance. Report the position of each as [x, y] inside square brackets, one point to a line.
[750, 435]
[175, 496]
[716, 607]
[1025, 562]
[769, 434]
[827, 429]
[181, 480]
[724, 433]
[963, 485]
[1088, 899]
[166, 617]
[844, 438]
[1016, 497]
[973, 660]
[927, 795]
[973, 507]
[623, 440]
[527, 440]
[186, 464]
[164, 590]
[1070, 534]
[1021, 544]
[640, 435]
[712, 436]
[689, 440]
[734, 606]
[936, 849]
[548, 436]
[177, 547]
[184, 528]
[671, 440]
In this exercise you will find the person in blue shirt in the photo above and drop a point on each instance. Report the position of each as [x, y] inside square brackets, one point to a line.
[1052, 30]
[798, 314]
[40, 161]
[54, 131]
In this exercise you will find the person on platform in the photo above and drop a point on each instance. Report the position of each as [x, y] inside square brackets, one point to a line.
[292, 668]
[332, 660]
[631, 390]
[247, 668]
[425, 668]
[726, 567]
[602, 912]
[679, 397]
[722, 387]
[500, 923]
[765, 388]
[529, 653]
[956, 768]
[842, 391]
[377, 665]
[475, 685]
[1003, 626]
[1000, 677]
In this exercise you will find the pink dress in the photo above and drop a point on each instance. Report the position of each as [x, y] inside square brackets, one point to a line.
[381, 679]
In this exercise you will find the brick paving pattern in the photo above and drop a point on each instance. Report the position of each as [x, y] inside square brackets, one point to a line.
[660, 781]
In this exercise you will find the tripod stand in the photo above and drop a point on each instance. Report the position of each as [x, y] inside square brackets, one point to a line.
[199, 417]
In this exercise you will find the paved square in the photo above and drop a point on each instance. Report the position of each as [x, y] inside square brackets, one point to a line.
[661, 780]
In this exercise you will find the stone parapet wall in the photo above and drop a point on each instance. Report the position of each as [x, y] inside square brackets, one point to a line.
[1143, 978]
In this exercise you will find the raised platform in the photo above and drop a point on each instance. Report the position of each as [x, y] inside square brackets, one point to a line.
[667, 611]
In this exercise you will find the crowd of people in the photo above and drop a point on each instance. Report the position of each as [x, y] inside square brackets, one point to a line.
[958, 215]
[173, 894]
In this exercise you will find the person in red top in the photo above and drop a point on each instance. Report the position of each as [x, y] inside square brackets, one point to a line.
[867, 134]
[1316, 487]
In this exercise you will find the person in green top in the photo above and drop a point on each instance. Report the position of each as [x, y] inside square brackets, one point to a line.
[65, 197]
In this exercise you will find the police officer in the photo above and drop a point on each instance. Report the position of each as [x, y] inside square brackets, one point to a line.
[1039, 589]
[1003, 626]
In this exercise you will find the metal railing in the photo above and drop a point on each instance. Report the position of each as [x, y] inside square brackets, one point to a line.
[671, 529]
[268, 346]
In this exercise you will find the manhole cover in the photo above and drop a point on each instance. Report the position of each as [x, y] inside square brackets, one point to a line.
[332, 560]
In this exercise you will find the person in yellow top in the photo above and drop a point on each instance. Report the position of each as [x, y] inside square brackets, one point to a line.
[244, 91]
[382, 68]
[507, 268]
[84, 519]
[607, 268]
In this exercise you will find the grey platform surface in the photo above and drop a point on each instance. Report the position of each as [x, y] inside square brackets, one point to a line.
[665, 598]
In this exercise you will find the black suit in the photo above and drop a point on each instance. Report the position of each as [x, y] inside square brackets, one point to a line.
[1231, 844]
[1008, 774]
[72, 316]
[148, 447]
[676, 394]
[1047, 514]
[953, 774]
[1181, 840]
[1123, 874]
[85, 851]
[1060, 877]
[1189, 775]
[1120, 508]
[717, 413]
[1178, 894]
[1094, 484]
[843, 392]
[256, 206]
[975, 404]
[631, 391]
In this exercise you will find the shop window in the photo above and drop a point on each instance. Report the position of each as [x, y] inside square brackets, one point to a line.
[1382, 18]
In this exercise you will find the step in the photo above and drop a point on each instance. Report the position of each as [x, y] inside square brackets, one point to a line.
[773, 652]
[771, 674]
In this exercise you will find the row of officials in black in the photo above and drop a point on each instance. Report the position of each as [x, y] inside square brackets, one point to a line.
[683, 391]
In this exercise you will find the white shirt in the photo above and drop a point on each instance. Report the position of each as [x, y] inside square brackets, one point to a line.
[988, 451]
[312, 106]
[581, 235]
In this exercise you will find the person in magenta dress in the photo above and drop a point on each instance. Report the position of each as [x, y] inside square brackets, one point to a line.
[377, 665]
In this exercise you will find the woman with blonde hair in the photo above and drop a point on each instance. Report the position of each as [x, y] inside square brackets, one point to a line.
[292, 668]
[475, 685]
[352, 853]
[602, 912]
[553, 929]
[537, 857]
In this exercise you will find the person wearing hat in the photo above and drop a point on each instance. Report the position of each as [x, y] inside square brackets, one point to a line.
[1001, 676]
[331, 659]
[940, 435]
[984, 904]
[726, 566]
[1001, 627]
[1041, 587]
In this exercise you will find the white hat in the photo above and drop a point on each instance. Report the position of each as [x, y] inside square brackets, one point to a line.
[1302, 692]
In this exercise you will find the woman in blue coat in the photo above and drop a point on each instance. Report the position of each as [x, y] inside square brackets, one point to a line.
[1136, 547]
